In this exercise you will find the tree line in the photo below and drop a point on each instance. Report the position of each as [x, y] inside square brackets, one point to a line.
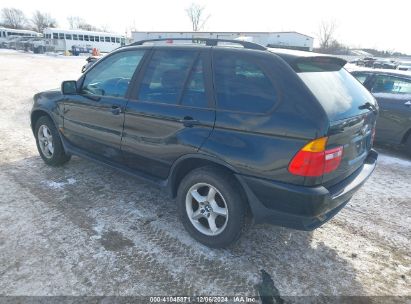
[16, 19]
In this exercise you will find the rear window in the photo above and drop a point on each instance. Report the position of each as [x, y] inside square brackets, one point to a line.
[338, 91]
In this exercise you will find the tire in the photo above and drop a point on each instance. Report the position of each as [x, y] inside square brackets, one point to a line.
[49, 143]
[224, 205]
[408, 144]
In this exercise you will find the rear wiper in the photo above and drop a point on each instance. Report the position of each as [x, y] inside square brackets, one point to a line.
[369, 106]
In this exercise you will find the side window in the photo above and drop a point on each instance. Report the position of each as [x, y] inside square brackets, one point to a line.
[241, 85]
[361, 77]
[112, 76]
[194, 92]
[165, 76]
[392, 85]
[61, 35]
[55, 36]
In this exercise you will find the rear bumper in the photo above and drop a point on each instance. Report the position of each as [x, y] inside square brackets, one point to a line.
[299, 207]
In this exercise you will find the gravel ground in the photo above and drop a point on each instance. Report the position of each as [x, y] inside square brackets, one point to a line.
[83, 229]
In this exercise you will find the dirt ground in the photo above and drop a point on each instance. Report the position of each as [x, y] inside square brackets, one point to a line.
[83, 229]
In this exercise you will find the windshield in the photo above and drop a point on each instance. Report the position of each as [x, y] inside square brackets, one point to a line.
[338, 91]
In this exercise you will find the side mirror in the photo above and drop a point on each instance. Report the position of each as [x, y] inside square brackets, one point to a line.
[69, 87]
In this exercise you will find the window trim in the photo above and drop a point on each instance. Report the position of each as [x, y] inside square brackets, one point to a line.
[259, 64]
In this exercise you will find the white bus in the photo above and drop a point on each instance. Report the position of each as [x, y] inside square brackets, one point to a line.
[64, 40]
[7, 33]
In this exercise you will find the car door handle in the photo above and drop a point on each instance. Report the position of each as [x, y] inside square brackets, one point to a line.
[408, 103]
[116, 110]
[189, 121]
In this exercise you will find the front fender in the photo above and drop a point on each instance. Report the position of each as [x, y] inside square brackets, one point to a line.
[50, 103]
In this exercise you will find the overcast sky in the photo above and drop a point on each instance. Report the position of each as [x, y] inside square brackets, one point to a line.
[383, 25]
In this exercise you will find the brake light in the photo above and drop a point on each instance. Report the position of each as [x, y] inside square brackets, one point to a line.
[314, 160]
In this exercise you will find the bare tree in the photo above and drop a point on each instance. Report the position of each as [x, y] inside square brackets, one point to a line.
[41, 21]
[74, 22]
[13, 18]
[326, 33]
[88, 27]
[196, 14]
[105, 28]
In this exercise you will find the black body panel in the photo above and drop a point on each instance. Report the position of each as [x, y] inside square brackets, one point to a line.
[95, 125]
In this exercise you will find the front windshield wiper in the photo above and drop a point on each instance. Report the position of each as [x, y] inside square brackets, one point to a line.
[369, 106]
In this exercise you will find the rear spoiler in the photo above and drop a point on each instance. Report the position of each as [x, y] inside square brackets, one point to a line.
[317, 63]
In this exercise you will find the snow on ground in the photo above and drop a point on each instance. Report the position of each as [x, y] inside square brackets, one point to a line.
[83, 229]
[391, 160]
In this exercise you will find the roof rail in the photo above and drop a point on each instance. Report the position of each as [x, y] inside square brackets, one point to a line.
[208, 41]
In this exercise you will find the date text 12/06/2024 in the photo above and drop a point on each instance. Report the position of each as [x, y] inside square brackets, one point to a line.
[203, 299]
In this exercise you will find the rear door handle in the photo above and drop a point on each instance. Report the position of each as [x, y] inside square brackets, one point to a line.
[189, 121]
[408, 103]
[116, 110]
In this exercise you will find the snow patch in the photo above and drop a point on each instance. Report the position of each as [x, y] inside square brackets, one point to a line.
[54, 185]
[59, 185]
[98, 228]
[390, 160]
[71, 181]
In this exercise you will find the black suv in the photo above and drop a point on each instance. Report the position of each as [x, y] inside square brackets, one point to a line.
[282, 136]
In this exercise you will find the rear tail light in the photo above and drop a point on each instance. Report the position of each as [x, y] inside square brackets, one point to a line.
[314, 160]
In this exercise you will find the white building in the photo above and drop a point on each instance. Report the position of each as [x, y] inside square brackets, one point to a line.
[64, 40]
[292, 40]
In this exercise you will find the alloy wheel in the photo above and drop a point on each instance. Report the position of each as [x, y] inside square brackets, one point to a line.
[206, 209]
[45, 141]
